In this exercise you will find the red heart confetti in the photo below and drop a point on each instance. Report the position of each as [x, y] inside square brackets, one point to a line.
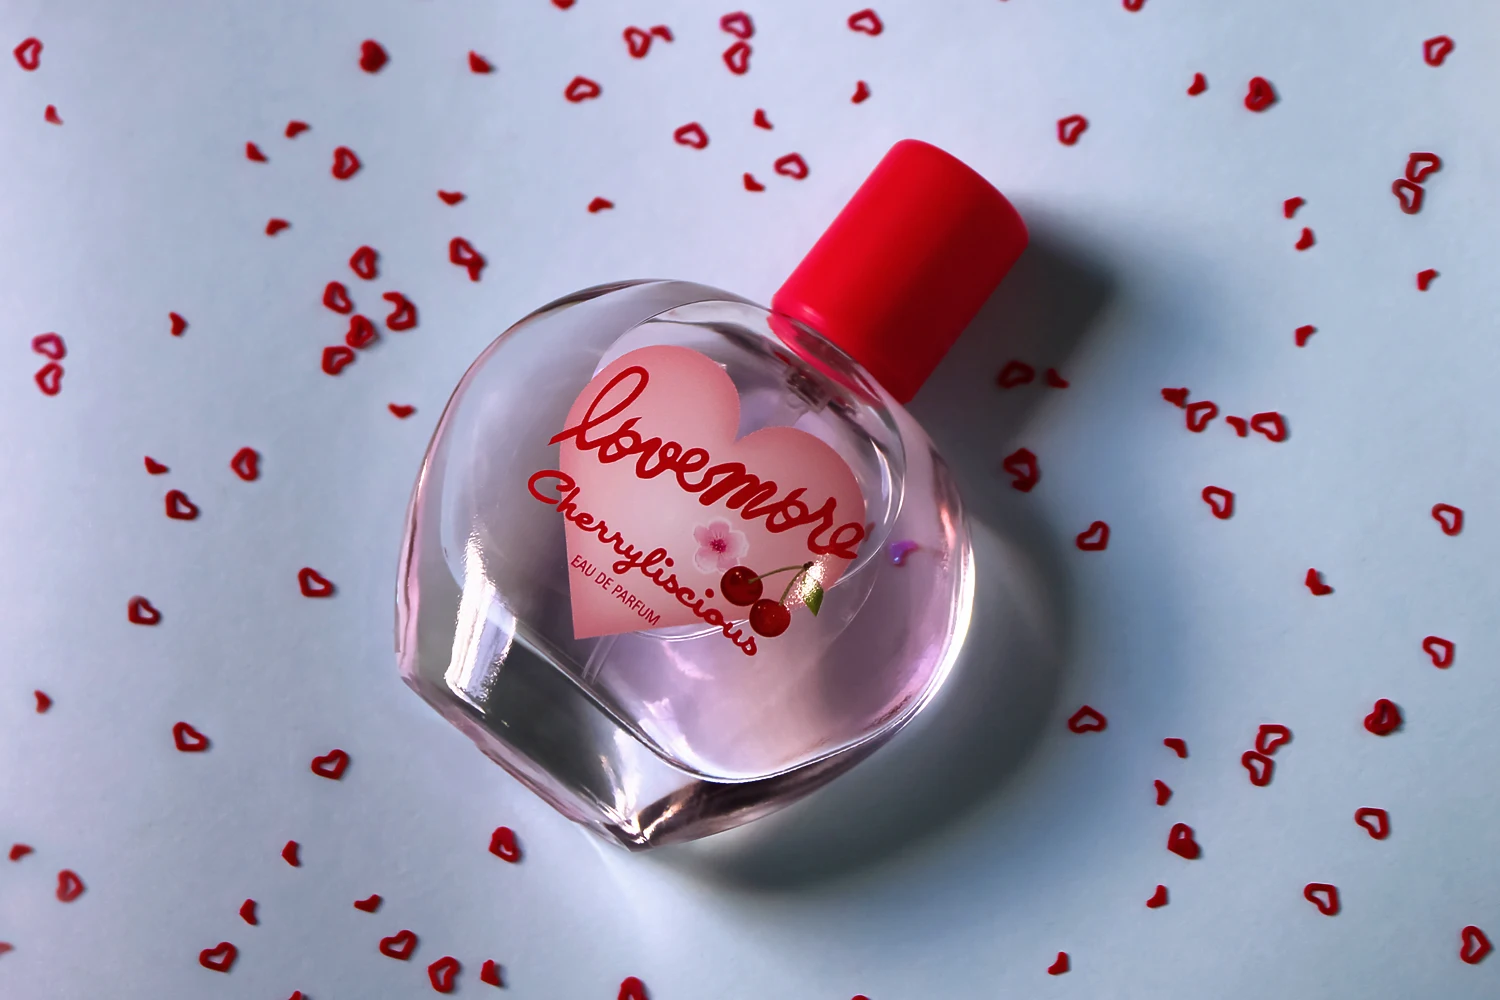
[691, 134]
[738, 24]
[1448, 517]
[1158, 898]
[503, 844]
[866, 21]
[141, 612]
[69, 886]
[861, 92]
[155, 468]
[179, 507]
[1271, 424]
[1094, 539]
[1055, 380]
[1408, 194]
[1022, 464]
[1177, 745]
[1200, 414]
[1198, 86]
[29, 54]
[1163, 792]
[599, 205]
[451, 197]
[51, 115]
[791, 165]
[364, 261]
[1377, 822]
[751, 184]
[246, 464]
[443, 974]
[490, 973]
[289, 854]
[662, 31]
[336, 297]
[462, 253]
[1424, 278]
[562, 4]
[336, 359]
[1306, 239]
[581, 88]
[1260, 767]
[345, 163]
[49, 378]
[1435, 50]
[361, 332]
[252, 152]
[1419, 165]
[1474, 945]
[737, 58]
[1015, 373]
[372, 56]
[187, 739]
[247, 912]
[1260, 95]
[178, 324]
[403, 315]
[1290, 206]
[313, 583]
[43, 701]
[1384, 719]
[1177, 397]
[399, 945]
[19, 851]
[1087, 720]
[1240, 425]
[275, 226]
[1324, 896]
[219, 958]
[1059, 966]
[760, 119]
[479, 64]
[295, 128]
[638, 42]
[1220, 501]
[401, 410]
[1271, 737]
[1181, 842]
[1133, 5]
[1070, 128]
[1302, 333]
[631, 988]
[1441, 651]
[51, 345]
[369, 904]
[331, 765]
[1314, 582]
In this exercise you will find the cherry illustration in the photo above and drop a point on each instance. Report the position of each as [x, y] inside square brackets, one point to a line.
[769, 618]
[741, 586]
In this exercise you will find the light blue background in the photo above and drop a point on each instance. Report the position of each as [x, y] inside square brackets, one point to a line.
[986, 838]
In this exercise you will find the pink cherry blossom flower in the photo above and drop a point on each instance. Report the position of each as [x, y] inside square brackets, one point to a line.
[720, 547]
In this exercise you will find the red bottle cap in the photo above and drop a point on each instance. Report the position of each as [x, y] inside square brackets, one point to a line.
[906, 265]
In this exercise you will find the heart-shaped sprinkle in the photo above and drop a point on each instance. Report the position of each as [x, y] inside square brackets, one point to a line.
[155, 468]
[187, 739]
[1158, 898]
[49, 344]
[252, 152]
[599, 205]
[1181, 843]
[1087, 720]
[1314, 582]
[1419, 165]
[1271, 424]
[1449, 518]
[295, 128]
[1015, 373]
[219, 958]
[451, 197]
[1133, 6]
[1177, 397]
[1441, 651]
[49, 378]
[662, 31]
[331, 765]
[1324, 896]
[443, 974]
[336, 359]
[179, 507]
[401, 410]
[1055, 380]
[1163, 792]
[503, 844]
[247, 912]
[399, 945]
[369, 904]
[479, 64]
[1306, 239]
[581, 88]
[691, 134]
[1271, 737]
[1069, 129]
[1200, 414]
[372, 56]
[738, 24]
[43, 701]
[29, 54]
[361, 332]
[1473, 943]
[1424, 278]
[1198, 86]
[1220, 501]
[631, 988]
[178, 323]
[760, 120]
[866, 21]
[791, 165]
[462, 253]
[403, 315]
[490, 973]
[1408, 194]
[1260, 767]
[345, 163]
[364, 261]
[751, 184]
[861, 92]
[336, 297]
[1260, 95]
[1239, 425]
[1022, 464]
[290, 854]
[638, 42]
[69, 886]
[1060, 965]
[737, 58]
[1377, 822]
[1094, 539]
[19, 851]
[1384, 719]
[141, 612]
[1436, 49]
[1290, 206]
[246, 464]
[1302, 333]
[51, 115]
[1176, 744]
[275, 226]
[313, 583]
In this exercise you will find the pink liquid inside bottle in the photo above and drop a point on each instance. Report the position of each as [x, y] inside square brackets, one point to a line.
[675, 560]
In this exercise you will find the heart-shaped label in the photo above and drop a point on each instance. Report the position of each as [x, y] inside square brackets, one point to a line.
[661, 499]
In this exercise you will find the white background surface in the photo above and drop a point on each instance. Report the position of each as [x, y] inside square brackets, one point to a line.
[961, 859]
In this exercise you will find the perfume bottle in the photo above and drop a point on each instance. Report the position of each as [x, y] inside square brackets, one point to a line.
[674, 560]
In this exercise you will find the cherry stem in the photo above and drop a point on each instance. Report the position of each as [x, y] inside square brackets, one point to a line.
[793, 582]
[802, 566]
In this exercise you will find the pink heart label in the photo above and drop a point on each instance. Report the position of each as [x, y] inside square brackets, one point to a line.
[660, 498]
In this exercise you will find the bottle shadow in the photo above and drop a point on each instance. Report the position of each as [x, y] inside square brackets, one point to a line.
[962, 749]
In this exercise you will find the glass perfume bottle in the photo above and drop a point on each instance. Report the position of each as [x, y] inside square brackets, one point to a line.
[674, 560]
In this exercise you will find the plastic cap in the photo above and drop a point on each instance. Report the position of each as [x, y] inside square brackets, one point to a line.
[906, 265]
